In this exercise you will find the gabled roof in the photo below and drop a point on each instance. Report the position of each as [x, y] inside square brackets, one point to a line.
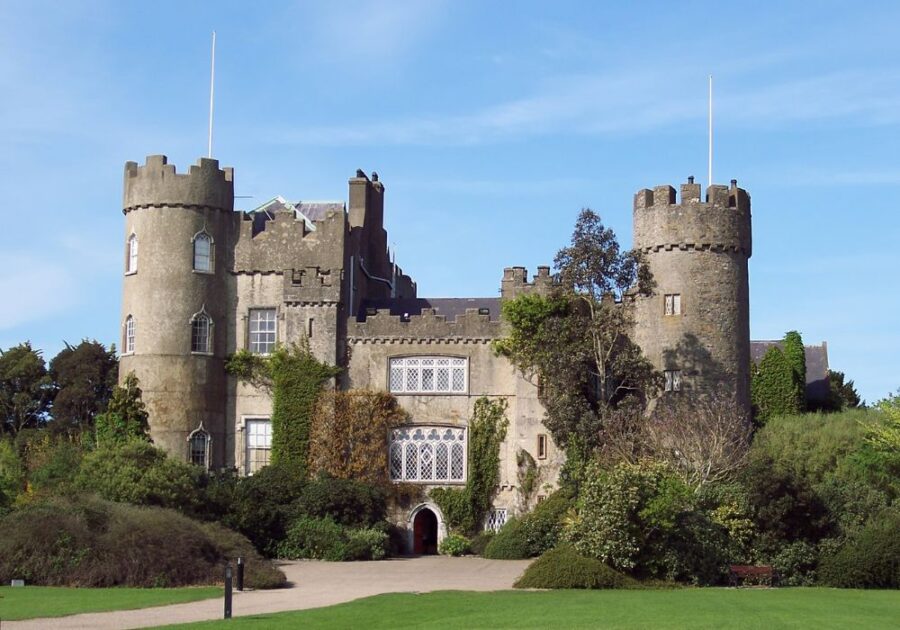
[308, 211]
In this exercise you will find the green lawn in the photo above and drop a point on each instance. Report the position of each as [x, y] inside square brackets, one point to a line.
[684, 608]
[51, 601]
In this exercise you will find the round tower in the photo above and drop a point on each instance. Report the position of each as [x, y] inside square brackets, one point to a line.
[696, 325]
[178, 232]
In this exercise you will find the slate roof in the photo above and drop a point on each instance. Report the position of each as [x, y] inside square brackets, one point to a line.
[309, 211]
[816, 366]
[448, 307]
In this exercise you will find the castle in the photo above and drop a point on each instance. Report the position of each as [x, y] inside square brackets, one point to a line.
[203, 281]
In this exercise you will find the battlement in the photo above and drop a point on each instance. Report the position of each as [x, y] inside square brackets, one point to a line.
[721, 222]
[515, 282]
[716, 195]
[157, 184]
[427, 327]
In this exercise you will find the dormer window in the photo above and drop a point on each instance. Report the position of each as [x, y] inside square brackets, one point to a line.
[203, 251]
[131, 254]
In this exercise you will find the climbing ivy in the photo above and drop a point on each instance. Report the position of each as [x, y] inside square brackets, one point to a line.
[773, 387]
[795, 354]
[294, 377]
[466, 508]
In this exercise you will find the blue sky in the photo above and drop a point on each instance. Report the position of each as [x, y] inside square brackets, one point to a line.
[491, 125]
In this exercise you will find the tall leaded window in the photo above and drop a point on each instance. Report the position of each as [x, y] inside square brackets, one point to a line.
[673, 304]
[428, 375]
[428, 454]
[203, 252]
[263, 328]
[131, 254]
[673, 380]
[258, 441]
[201, 333]
[198, 448]
[128, 341]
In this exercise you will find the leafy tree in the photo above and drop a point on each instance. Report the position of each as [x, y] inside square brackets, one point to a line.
[773, 387]
[126, 417]
[574, 343]
[842, 394]
[795, 353]
[25, 388]
[885, 436]
[84, 376]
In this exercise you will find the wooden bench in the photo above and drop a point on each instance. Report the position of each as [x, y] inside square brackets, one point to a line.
[743, 573]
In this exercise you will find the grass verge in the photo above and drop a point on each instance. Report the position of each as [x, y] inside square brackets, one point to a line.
[30, 602]
[683, 608]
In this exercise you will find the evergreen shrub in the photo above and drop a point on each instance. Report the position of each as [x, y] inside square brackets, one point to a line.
[347, 502]
[563, 567]
[90, 542]
[454, 545]
[509, 543]
[480, 541]
[534, 533]
[324, 539]
[869, 558]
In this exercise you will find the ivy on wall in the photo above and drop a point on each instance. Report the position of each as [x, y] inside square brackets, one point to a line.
[349, 431]
[772, 387]
[465, 509]
[294, 377]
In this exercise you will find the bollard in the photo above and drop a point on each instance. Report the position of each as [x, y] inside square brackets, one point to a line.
[227, 591]
[240, 573]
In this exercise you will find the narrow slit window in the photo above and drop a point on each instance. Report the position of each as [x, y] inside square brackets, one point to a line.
[542, 446]
[129, 335]
[131, 259]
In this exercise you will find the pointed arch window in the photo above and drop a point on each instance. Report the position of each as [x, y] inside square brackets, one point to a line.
[428, 454]
[128, 336]
[203, 252]
[198, 447]
[201, 332]
[131, 254]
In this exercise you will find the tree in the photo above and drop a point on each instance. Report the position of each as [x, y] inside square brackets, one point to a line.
[84, 377]
[772, 387]
[885, 436]
[795, 354]
[575, 342]
[841, 394]
[704, 439]
[126, 417]
[25, 388]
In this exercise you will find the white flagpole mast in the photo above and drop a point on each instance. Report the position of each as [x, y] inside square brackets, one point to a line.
[212, 87]
[710, 179]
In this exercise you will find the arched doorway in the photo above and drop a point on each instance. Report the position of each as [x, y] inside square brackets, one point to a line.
[425, 532]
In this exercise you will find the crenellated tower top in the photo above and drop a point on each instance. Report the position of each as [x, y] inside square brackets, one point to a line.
[156, 184]
[721, 222]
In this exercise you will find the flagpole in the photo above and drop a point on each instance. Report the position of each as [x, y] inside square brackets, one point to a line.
[710, 173]
[212, 87]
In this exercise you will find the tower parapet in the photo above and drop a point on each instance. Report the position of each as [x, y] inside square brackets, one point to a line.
[696, 325]
[157, 184]
[515, 282]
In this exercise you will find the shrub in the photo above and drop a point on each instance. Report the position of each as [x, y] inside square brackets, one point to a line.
[563, 567]
[870, 558]
[454, 545]
[138, 472]
[89, 542]
[347, 502]
[532, 534]
[509, 543]
[796, 564]
[480, 541]
[323, 539]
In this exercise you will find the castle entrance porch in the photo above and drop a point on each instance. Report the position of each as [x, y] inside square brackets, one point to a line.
[425, 532]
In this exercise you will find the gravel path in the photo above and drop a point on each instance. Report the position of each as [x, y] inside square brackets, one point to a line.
[313, 584]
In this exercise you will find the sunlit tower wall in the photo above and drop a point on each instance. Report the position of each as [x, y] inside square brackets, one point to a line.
[183, 382]
[696, 325]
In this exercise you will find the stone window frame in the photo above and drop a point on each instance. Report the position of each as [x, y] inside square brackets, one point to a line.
[128, 335]
[250, 332]
[199, 432]
[406, 391]
[496, 518]
[210, 258]
[246, 421]
[674, 380]
[131, 254]
[401, 438]
[542, 446]
[195, 319]
[672, 305]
